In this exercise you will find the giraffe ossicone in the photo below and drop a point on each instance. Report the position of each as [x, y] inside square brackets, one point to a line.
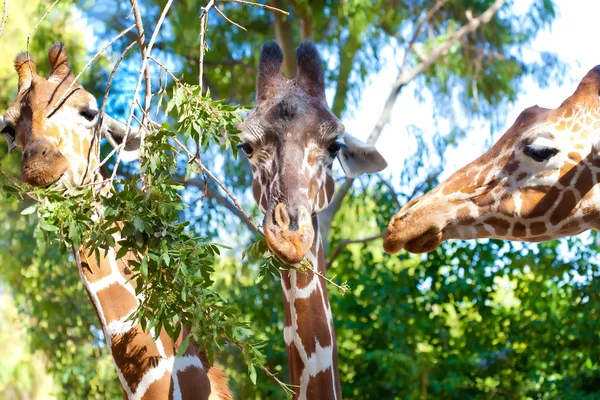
[291, 139]
[56, 141]
[539, 181]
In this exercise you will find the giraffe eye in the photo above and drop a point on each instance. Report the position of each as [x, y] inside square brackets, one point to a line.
[335, 147]
[89, 114]
[246, 148]
[539, 153]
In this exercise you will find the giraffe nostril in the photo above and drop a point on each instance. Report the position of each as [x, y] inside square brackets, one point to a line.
[45, 151]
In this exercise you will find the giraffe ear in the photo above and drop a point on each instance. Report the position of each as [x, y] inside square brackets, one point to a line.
[114, 132]
[587, 92]
[269, 70]
[311, 77]
[359, 158]
[59, 61]
[10, 139]
[26, 69]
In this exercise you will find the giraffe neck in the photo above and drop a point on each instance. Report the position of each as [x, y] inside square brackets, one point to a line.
[147, 369]
[309, 332]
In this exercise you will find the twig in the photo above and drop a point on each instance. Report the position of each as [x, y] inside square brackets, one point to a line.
[142, 41]
[143, 72]
[67, 92]
[4, 17]
[286, 387]
[341, 288]
[95, 144]
[417, 31]
[348, 242]
[249, 3]
[391, 189]
[218, 182]
[203, 25]
[228, 20]
[33, 31]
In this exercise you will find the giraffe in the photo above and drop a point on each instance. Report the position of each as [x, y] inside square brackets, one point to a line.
[538, 182]
[56, 147]
[291, 139]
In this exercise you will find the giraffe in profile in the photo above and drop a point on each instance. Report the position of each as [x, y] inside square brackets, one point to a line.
[540, 181]
[56, 146]
[291, 139]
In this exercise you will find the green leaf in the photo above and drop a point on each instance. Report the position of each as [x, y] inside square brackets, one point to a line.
[48, 227]
[29, 210]
[184, 345]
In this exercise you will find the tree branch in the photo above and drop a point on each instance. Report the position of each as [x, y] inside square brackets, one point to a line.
[214, 194]
[403, 78]
[347, 242]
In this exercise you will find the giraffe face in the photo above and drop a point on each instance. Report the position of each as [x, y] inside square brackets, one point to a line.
[291, 139]
[55, 138]
[538, 182]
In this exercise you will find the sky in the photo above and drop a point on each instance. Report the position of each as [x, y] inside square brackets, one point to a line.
[573, 36]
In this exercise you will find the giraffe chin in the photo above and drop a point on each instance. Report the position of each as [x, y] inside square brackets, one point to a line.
[290, 246]
[40, 175]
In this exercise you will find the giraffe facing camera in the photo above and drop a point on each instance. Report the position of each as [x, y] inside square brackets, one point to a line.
[538, 182]
[291, 139]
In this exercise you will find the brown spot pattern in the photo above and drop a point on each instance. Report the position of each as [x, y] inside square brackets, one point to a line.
[116, 302]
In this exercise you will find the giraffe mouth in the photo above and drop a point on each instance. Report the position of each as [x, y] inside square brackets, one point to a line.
[414, 231]
[290, 239]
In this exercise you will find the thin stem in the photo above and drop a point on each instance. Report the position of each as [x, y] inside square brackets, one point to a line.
[4, 17]
[68, 92]
[35, 29]
[249, 3]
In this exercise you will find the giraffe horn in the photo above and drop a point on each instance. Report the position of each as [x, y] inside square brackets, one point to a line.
[26, 69]
[59, 61]
[310, 77]
[269, 69]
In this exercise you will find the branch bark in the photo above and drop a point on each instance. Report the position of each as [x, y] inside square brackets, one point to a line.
[404, 77]
[347, 54]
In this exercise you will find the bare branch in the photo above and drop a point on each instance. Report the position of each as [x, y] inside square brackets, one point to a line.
[405, 77]
[35, 29]
[203, 26]
[95, 145]
[4, 17]
[228, 20]
[417, 31]
[249, 3]
[347, 242]
[218, 182]
[391, 189]
[145, 71]
[68, 92]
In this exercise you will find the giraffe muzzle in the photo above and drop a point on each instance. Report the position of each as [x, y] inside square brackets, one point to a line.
[42, 163]
[414, 230]
[289, 235]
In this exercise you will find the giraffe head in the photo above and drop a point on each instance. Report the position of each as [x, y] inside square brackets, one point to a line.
[538, 182]
[55, 137]
[291, 138]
